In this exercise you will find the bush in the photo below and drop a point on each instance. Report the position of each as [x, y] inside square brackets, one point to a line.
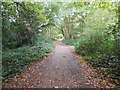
[11, 45]
[69, 41]
[14, 60]
[101, 52]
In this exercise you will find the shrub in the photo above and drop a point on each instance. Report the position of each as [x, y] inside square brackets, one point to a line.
[69, 41]
[101, 52]
[14, 60]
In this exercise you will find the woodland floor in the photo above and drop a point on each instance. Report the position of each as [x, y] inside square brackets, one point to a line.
[61, 69]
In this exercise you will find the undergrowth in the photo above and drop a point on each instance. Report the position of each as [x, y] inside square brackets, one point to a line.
[69, 41]
[15, 60]
[101, 51]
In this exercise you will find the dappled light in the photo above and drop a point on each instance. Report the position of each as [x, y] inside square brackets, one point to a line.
[60, 44]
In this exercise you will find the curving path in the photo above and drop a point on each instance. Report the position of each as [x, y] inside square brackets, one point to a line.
[59, 70]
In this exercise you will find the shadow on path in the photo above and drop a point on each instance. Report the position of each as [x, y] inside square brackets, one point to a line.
[60, 70]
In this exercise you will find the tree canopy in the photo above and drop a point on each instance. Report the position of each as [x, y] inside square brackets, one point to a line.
[30, 27]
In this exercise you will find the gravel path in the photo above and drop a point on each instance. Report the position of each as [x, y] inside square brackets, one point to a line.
[59, 70]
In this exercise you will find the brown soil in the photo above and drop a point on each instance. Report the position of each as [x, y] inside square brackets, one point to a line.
[60, 70]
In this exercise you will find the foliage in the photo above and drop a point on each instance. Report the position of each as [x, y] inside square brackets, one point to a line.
[69, 41]
[24, 35]
[21, 22]
[92, 27]
[101, 51]
[15, 60]
[98, 39]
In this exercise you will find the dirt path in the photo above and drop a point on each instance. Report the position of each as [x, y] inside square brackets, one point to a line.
[59, 70]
